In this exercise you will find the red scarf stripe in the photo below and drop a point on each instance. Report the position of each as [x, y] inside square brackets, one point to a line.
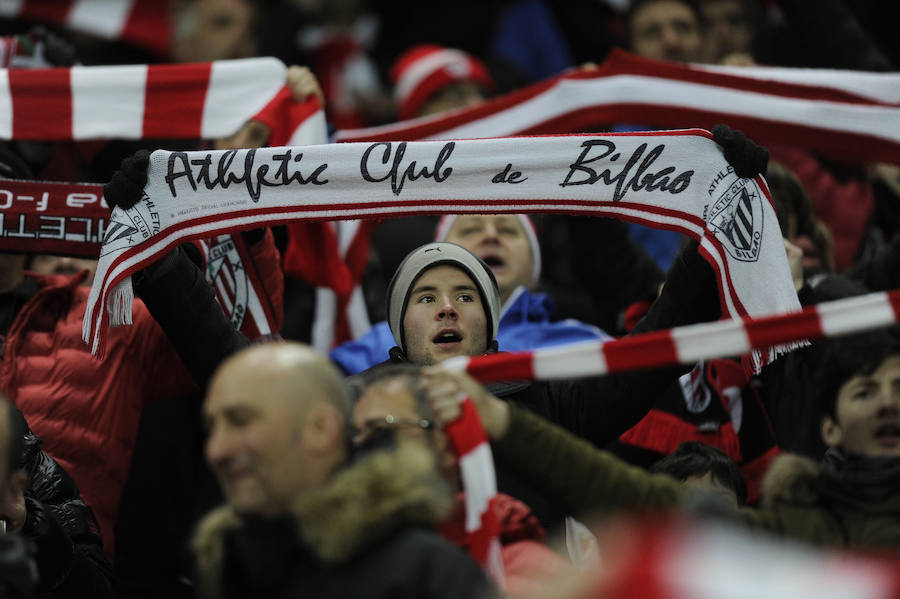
[464, 435]
[706, 340]
[162, 116]
[662, 432]
[53, 11]
[41, 103]
[178, 101]
[675, 95]
[146, 23]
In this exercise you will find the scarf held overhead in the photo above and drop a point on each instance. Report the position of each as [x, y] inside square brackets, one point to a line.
[675, 180]
[169, 101]
[848, 115]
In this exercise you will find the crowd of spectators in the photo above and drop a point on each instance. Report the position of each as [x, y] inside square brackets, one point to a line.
[194, 460]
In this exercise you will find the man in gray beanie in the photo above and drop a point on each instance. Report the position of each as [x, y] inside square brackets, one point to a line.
[443, 301]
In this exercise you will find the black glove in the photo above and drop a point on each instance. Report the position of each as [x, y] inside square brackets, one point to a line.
[126, 186]
[746, 156]
[690, 294]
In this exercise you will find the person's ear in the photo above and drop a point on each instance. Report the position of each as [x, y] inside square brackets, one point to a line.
[832, 434]
[323, 428]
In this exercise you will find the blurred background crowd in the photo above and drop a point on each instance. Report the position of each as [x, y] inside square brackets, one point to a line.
[144, 435]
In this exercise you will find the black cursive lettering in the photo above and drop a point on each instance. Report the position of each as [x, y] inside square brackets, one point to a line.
[507, 175]
[172, 174]
[625, 180]
[218, 174]
[412, 172]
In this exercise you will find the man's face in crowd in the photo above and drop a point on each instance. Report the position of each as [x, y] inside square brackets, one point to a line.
[728, 28]
[867, 413]
[667, 30]
[64, 265]
[444, 317]
[254, 444]
[500, 241]
[217, 30]
[458, 95]
[392, 399]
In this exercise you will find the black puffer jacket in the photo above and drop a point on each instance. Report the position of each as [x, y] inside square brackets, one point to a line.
[69, 551]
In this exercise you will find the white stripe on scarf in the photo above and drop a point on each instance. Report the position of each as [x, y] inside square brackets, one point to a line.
[688, 175]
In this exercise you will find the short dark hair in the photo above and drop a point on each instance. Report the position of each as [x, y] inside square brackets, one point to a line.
[636, 5]
[693, 458]
[842, 358]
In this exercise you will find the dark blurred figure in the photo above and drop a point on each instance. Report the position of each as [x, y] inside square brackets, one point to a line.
[699, 465]
[42, 504]
[18, 573]
[736, 31]
[668, 30]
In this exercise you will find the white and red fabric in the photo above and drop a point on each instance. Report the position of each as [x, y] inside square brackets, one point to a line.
[672, 559]
[333, 257]
[688, 344]
[233, 274]
[201, 194]
[852, 116]
[70, 219]
[339, 58]
[145, 23]
[446, 222]
[183, 101]
[52, 218]
[479, 481]
[425, 70]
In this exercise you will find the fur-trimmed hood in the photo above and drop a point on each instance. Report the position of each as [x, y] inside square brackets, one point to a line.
[362, 503]
[790, 477]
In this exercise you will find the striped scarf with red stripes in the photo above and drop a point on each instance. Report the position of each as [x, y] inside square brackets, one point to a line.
[674, 180]
[848, 115]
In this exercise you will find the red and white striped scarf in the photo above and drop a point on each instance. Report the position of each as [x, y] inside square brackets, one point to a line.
[676, 559]
[849, 115]
[687, 344]
[145, 23]
[178, 101]
[673, 180]
[476, 466]
[184, 101]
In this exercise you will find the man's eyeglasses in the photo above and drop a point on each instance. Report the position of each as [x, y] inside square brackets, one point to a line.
[389, 421]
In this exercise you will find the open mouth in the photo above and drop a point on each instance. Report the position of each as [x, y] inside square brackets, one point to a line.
[889, 432]
[446, 337]
[493, 261]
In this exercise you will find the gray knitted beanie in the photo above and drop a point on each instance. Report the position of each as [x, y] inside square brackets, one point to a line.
[427, 257]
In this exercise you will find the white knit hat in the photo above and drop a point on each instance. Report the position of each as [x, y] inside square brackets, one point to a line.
[430, 256]
[446, 223]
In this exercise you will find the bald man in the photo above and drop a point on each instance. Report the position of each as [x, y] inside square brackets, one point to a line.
[302, 518]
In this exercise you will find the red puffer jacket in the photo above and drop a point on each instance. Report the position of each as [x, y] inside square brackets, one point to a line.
[85, 410]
